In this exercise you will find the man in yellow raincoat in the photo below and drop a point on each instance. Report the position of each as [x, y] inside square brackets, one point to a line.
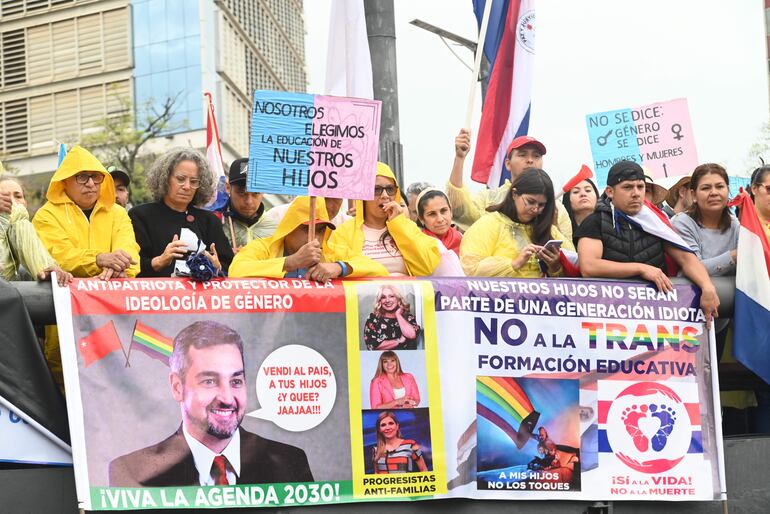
[82, 227]
[84, 230]
[288, 253]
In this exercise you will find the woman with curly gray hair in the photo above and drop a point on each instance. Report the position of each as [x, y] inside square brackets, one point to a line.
[180, 182]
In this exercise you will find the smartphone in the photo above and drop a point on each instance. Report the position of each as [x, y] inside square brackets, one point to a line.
[554, 245]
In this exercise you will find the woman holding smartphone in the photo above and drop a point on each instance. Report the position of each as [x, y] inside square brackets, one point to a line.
[511, 240]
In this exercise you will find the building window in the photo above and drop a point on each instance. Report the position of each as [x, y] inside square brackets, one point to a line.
[167, 59]
[33, 126]
[13, 58]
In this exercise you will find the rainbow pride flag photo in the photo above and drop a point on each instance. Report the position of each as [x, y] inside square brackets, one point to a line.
[151, 342]
[528, 434]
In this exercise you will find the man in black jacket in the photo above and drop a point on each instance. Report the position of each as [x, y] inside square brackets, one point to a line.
[210, 448]
[611, 247]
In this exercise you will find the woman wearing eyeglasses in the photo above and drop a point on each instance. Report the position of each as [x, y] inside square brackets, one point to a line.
[381, 240]
[180, 182]
[510, 240]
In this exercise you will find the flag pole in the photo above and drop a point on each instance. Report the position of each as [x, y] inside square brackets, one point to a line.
[717, 416]
[130, 345]
[477, 63]
[232, 235]
[311, 226]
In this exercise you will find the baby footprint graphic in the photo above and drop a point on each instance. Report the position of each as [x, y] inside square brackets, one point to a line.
[630, 418]
[667, 418]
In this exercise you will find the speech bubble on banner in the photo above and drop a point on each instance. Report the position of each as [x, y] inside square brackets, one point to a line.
[658, 136]
[296, 388]
[303, 144]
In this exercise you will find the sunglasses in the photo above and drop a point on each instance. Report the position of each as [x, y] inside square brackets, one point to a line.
[390, 190]
[83, 178]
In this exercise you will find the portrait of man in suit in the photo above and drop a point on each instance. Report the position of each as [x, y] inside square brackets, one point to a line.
[208, 380]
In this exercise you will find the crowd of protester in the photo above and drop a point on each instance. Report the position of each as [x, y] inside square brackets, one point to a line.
[88, 227]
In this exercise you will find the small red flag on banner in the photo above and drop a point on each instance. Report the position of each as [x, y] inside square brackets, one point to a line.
[102, 341]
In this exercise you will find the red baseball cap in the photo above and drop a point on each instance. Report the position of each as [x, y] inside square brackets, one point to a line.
[522, 141]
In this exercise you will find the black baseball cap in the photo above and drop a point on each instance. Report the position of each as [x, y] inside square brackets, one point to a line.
[119, 174]
[238, 169]
[624, 170]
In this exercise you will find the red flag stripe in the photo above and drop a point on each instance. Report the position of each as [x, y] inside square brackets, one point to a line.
[750, 221]
[498, 101]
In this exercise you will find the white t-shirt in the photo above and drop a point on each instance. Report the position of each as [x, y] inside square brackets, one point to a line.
[399, 393]
[386, 254]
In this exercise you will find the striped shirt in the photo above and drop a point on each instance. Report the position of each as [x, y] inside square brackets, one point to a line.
[403, 459]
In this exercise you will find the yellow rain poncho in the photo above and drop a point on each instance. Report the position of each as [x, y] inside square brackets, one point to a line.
[73, 240]
[265, 257]
[467, 208]
[490, 245]
[20, 246]
[420, 251]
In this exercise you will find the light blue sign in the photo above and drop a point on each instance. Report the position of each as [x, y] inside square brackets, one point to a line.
[280, 142]
[613, 138]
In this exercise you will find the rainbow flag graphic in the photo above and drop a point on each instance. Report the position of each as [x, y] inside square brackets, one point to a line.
[503, 402]
[151, 342]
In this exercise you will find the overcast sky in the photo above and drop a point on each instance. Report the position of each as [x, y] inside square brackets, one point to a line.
[591, 56]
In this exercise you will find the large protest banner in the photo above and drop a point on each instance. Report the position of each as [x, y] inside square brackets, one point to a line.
[576, 390]
[658, 136]
[371, 390]
[303, 144]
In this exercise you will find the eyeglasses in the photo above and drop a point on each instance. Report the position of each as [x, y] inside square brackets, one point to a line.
[83, 178]
[195, 183]
[766, 186]
[390, 190]
[533, 205]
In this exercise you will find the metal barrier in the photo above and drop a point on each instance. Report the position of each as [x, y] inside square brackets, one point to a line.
[38, 298]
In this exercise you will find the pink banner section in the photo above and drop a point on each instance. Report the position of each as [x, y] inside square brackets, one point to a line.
[346, 140]
[666, 139]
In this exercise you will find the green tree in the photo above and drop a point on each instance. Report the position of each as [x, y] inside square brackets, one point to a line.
[122, 136]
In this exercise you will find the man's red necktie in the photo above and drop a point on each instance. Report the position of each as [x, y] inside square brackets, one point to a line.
[219, 470]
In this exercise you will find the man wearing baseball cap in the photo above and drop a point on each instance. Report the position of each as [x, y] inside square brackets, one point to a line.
[242, 217]
[609, 246]
[122, 181]
[523, 152]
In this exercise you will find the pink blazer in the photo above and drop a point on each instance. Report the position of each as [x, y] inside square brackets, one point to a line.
[380, 390]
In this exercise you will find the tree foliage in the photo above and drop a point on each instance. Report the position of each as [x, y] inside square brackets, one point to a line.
[121, 138]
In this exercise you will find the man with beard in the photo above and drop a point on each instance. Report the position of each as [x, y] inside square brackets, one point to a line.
[210, 448]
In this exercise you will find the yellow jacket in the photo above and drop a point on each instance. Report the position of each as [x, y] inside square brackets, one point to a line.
[492, 242]
[74, 241]
[20, 245]
[420, 251]
[467, 207]
[263, 257]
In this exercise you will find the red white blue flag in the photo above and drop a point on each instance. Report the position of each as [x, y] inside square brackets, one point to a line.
[751, 337]
[214, 156]
[510, 49]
